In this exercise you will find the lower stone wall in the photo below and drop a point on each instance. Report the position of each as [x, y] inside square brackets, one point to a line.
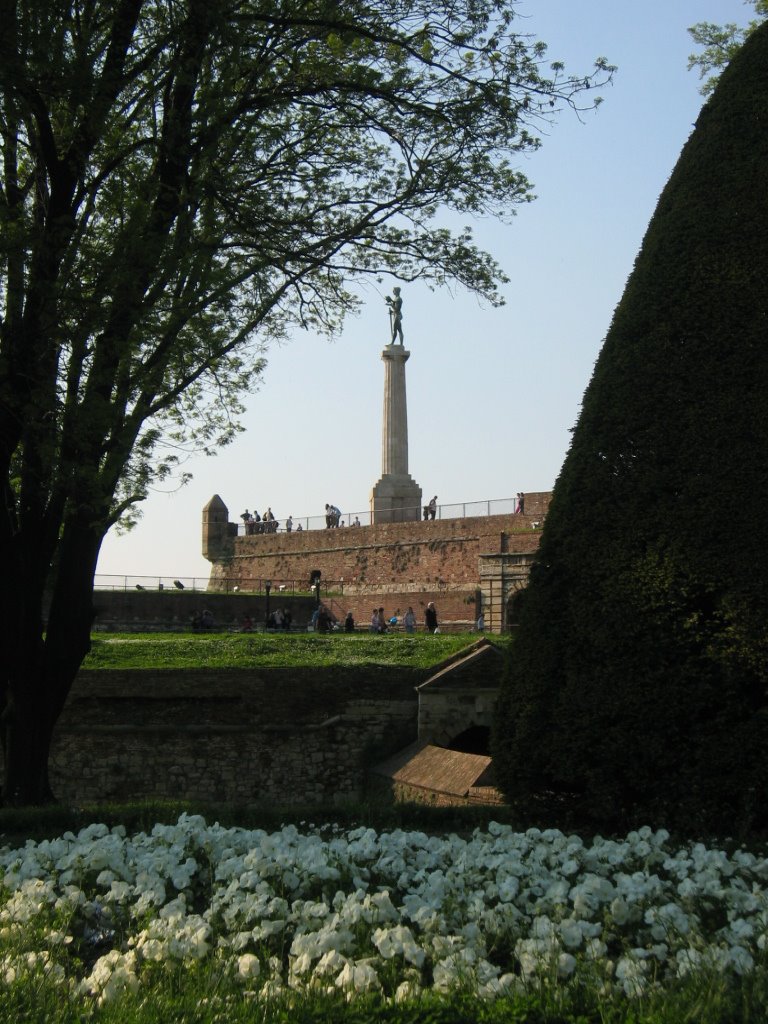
[287, 736]
[166, 611]
[173, 611]
[402, 793]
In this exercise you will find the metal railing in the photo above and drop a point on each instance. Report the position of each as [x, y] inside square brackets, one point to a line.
[460, 510]
[236, 585]
[104, 581]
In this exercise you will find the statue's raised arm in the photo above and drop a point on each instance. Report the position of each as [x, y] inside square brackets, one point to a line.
[395, 304]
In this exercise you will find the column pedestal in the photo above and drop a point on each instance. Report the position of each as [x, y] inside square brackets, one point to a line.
[395, 499]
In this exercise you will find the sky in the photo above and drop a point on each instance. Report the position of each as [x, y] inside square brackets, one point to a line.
[492, 392]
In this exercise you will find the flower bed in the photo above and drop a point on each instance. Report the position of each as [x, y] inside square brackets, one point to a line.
[396, 913]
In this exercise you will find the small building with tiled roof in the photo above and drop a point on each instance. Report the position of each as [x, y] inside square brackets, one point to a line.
[450, 763]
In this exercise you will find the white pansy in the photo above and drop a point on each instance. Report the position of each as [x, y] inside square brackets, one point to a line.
[444, 903]
[112, 975]
[248, 967]
[632, 974]
[566, 965]
[331, 962]
[398, 941]
[571, 933]
[687, 961]
[740, 959]
[358, 977]
[406, 990]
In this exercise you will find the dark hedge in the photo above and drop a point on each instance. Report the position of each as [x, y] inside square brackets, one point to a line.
[637, 690]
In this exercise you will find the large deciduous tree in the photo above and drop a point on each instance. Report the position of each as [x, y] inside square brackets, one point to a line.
[184, 181]
[639, 686]
[720, 44]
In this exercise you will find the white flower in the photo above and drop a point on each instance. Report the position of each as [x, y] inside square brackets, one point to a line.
[632, 972]
[619, 911]
[566, 964]
[358, 977]
[396, 941]
[331, 962]
[740, 959]
[248, 967]
[571, 933]
[112, 975]
[407, 990]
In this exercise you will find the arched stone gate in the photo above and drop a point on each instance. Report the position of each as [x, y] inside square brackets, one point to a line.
[502, 577]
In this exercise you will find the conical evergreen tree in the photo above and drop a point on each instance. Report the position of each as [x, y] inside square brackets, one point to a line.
[640, 668]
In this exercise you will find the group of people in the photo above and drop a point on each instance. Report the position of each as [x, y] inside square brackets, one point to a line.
[381, 624]
[280, 618]
[430, 509]
[379, 621]
[254, 523]
[323, 620]
[203, 621]
[332, 516]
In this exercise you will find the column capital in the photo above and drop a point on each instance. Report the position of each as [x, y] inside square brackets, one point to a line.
[396, 352]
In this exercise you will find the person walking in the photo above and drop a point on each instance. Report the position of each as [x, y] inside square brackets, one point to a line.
[409, 620]
[430, 618]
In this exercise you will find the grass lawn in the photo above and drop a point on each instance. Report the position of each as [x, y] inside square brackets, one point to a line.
[297, 650]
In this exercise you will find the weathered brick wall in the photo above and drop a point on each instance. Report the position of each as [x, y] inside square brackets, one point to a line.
[292, 736]
[417, 556]
[455, 608]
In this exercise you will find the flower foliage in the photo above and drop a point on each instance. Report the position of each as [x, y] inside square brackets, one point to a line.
[395, 913]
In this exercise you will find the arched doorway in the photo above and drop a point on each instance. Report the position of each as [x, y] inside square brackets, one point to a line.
[514, 604]
[473, 740]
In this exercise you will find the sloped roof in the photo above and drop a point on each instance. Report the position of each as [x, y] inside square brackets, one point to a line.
[215, 503]
[478, 668]
[434, 768]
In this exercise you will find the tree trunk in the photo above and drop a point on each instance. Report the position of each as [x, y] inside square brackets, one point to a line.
[41, 659]
[27, 734]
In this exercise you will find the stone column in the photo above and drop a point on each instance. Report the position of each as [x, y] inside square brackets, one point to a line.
[396, 497]
[394, 428]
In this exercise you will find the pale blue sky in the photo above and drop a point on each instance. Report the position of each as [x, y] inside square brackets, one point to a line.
[492, 393]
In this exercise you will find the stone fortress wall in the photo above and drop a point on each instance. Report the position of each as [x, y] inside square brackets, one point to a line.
[295, 736]
[457, 563]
